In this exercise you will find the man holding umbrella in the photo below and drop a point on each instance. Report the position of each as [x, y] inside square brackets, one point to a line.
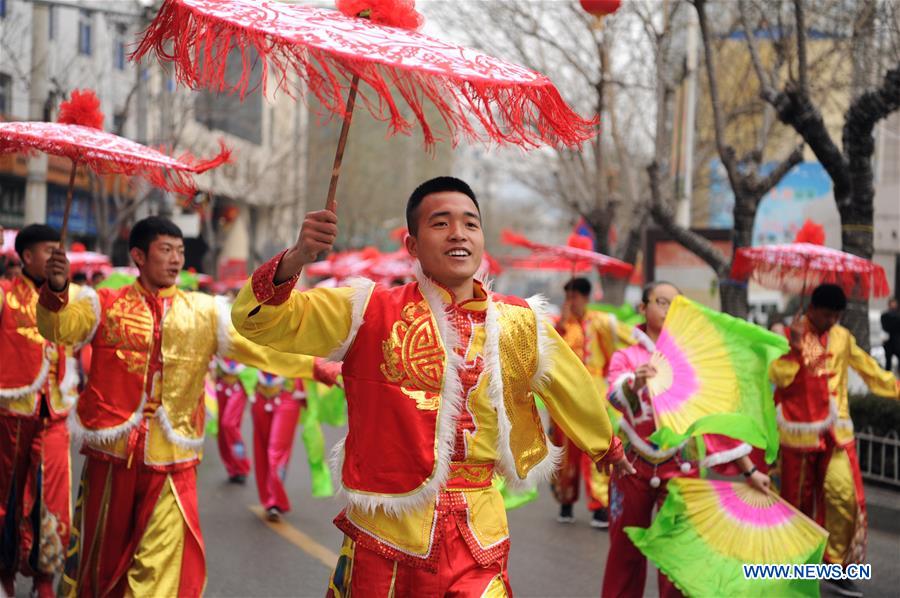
[141, 416]
[819, 466]
[38, 382]
[439, 376]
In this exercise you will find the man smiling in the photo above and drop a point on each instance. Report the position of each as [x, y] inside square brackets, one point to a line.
[439, 376]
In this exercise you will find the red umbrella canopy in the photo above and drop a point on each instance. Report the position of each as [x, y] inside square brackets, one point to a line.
[798, 268]
[576, 256]
[477, 96]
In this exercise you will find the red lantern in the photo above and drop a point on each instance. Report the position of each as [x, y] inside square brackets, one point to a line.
[600, 8]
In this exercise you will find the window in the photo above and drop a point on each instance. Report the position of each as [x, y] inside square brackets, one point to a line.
[225, 111]
[51, 22]
[118, 123]
[5, 94]
[2, 8]
[119, 48]
[85, 27]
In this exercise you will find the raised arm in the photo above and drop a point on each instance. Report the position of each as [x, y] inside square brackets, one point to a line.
[879, 381]
[65, 313]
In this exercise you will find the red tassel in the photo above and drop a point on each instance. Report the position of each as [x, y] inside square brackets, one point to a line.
[523, 115]
[393, 13]
[83, 108]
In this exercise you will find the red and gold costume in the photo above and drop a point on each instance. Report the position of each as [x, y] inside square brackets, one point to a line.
[38, 386]
[439, 396]
[819, 467]
[593, 338]
[141, 418]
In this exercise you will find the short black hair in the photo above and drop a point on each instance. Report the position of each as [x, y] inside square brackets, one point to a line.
[829, 296]
[580, 285]
[32, 235]
[435, 185]
[147, 230]
[651, 286]
[79, 278]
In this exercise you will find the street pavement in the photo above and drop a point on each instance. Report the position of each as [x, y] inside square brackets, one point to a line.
[249, 557]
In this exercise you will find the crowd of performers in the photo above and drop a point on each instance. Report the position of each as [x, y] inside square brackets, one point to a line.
[440, 376]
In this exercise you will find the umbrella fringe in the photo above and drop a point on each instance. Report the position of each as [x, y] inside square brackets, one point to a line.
[525, 115]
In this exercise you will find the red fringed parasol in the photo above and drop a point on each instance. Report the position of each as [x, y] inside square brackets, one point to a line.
[797, 268]
[476, 96]
[575, 255]
[77, 137]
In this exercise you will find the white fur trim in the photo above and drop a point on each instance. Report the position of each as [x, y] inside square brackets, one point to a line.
[262, 380]
[90, 295]
[362, 290]
[741, 450]
[617, 392]
[451, 404]
[643, 448]
[546, 348]
[224, 365]
[807, 427]
[223, 327]
[9, 394]
[68, 388]
[191, 444]
[106, 435]
[641, 337]
[546, 469]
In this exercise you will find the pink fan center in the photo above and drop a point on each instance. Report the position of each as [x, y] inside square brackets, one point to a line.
[753, 515]
[684, 379]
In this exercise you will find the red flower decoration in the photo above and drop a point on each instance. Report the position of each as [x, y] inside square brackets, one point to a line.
[83, 108]
[811, 233]
[394, 13]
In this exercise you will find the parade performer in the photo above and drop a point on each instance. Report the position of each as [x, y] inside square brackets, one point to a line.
[38, 386]
[819, 466]
[594, 336]
[632, 498]
[231, 397]
[439, 376]
[141, 416]
[275, 411]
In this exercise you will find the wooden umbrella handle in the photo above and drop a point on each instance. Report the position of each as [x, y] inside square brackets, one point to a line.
[65, 223]
[342, 143]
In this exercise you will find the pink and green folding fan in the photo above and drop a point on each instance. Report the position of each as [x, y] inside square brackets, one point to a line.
[707, 530]
[712, 378]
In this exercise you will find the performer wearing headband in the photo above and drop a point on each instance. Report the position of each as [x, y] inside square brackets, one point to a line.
[38, 386]
[141, 416]
[439, 376]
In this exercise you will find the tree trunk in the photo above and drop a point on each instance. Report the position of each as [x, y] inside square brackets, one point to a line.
[733, 298]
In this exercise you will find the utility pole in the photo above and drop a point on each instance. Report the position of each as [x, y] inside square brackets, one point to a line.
[38, 85]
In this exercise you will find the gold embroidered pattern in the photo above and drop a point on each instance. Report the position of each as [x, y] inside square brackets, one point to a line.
[814, 355]
[129, 326]
[23, 303]
[414, 357]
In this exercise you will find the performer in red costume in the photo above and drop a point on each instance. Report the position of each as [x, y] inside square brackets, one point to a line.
[276, 409]
[232, 399]
[633, 498]
[38, 386]
[593, 336]
[819, 467]
[141, 416]
[439, 376]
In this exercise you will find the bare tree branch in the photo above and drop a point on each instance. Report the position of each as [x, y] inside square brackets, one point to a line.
[802, 65]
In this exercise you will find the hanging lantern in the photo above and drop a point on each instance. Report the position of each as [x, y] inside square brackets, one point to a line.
[600, 8]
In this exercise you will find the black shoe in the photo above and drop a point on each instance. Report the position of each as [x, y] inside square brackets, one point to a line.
[845, 587]
[601, 519]
[238, 479]
[565, 514]
[273, 514]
